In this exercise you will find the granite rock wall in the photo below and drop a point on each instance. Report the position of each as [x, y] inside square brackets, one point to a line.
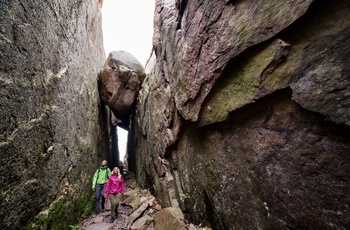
[52, 133]
[243, 118]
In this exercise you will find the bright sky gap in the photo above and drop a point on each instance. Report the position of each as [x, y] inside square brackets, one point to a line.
[128, 25]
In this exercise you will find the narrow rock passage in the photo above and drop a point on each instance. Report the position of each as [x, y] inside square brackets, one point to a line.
[139, 210]
[134, 199]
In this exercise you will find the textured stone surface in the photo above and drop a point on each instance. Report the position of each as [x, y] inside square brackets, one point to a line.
[272, 165]
[197, 56]
[119, 83]
[142, 223]
[246, 126]
[50, 54]
[323, 83]
[169, 218]
[314, 68]
[246, 81]
[99, 226]
[138, 212]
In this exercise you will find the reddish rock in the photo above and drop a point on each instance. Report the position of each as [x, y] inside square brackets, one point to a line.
[198, 39]
[142, 223]
[170, 219]
[119, 83]
[244, 118]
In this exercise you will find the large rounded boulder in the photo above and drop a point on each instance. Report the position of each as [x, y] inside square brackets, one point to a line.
[119, 82]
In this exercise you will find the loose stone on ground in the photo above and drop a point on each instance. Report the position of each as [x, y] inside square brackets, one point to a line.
[139, 211]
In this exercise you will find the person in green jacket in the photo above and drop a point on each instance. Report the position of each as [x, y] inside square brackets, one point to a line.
[98, 185]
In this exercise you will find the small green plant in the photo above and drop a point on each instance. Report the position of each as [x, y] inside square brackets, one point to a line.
[89, 208]
[74, 227]
[183, 196]
[145, 82]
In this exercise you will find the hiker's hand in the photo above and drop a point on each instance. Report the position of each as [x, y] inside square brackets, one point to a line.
[106, 196]
[93, 189]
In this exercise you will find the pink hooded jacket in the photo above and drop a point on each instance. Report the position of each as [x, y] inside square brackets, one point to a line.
[114, 185]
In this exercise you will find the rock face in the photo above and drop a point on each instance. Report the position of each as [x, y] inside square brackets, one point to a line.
[169, 218]
[51, 128]
[243, 120]
[119, 83]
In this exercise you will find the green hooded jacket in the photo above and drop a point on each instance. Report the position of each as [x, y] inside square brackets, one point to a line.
[101, 176]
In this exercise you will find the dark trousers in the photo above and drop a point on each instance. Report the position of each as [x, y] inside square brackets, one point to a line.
[100, 190]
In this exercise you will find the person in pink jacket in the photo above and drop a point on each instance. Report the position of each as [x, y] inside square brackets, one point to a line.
[114, 191]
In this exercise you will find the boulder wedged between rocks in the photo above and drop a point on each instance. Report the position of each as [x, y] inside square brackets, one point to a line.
[119, 82]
